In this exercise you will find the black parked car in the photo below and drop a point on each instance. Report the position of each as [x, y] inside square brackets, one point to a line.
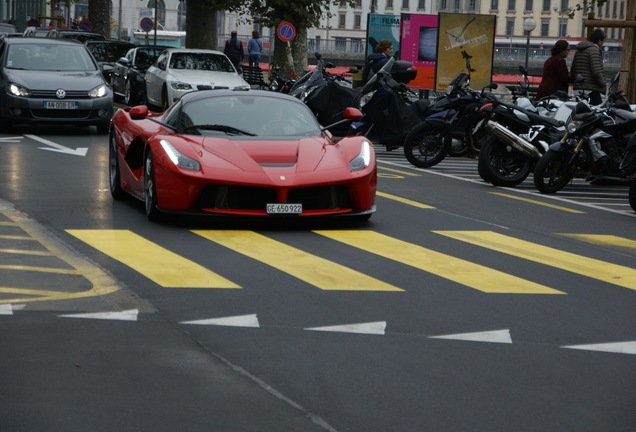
[107, 53]
[127, 79]
[52, 81]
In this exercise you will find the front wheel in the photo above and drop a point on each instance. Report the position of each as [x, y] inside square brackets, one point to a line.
[150, 190]
[553, 171]
[632, 194]
[502, 165]
[426, 145]
[114, 176]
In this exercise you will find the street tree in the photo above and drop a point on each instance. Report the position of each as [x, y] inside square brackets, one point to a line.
[99, 16]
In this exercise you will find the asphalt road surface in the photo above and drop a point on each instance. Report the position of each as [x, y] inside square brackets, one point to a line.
[458, 307]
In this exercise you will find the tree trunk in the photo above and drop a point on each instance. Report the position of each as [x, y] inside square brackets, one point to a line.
[201, 26]
[627, 81]
[99, 17]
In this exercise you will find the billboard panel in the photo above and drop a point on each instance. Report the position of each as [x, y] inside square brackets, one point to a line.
[462, 35]
[419, 46]
[383, 27]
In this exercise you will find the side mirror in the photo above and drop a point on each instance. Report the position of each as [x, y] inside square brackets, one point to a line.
[351, 113]
[523, 70]
[124, 61]
[139, 112]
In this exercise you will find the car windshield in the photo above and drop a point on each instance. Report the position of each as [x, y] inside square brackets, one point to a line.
[108, 51]
[45, 57]
[248, 115]
[201, 61]
[146, 57]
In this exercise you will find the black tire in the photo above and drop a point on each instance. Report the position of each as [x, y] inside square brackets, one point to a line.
[164, 99]
[502, 165]
[425, 145]
[103, 127]
[150, 190]
[553, 171]
[632, 194]
[129, 97]
[113, 170]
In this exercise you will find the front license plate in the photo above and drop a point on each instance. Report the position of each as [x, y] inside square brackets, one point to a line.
[284, 208]
[60, 105]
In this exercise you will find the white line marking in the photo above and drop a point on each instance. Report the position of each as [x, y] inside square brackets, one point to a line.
[127, 315]
[615, 347]
[495, 336]
[376, 328]
[233, 321]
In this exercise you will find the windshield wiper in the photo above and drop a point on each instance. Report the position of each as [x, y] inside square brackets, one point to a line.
[220, 127]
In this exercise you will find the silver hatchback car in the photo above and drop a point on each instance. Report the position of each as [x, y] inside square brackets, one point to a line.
[52, 81]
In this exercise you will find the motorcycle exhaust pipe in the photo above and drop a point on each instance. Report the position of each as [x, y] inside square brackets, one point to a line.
[523, 146]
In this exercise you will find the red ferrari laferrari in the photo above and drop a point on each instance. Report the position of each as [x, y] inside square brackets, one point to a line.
[240, 152]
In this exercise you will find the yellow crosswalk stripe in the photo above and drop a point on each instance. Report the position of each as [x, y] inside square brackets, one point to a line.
[404, 200]
[463, 272]
[309, 268]
[592, 268]
[165, 268]
[606, 240]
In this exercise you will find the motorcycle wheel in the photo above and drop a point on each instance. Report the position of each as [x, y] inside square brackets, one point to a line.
[501, 165]
[553, 172]
[425, 146]
[632, 194]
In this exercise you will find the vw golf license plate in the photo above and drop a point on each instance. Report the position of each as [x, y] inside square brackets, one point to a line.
[284, 208]
[60, 105]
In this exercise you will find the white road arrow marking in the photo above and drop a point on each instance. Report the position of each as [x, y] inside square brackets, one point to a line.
[614, 347]
[127, 315]
[11, 139]
[376, 328]
[6, 309]
[80, 151]
[233, 321]
[495, 336]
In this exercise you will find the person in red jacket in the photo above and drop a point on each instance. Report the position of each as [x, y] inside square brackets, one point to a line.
[555, 71]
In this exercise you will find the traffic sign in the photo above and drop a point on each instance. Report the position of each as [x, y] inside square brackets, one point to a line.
[286, 31]
[85, 25]
[146, 24]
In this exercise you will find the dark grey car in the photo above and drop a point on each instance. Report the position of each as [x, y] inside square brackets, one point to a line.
[52, 81]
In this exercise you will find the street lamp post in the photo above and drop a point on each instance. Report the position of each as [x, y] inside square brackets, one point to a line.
[528, 26]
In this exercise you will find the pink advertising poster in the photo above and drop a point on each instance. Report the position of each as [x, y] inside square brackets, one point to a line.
[418, 45]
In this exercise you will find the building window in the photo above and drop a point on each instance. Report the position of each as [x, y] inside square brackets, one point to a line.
[529, 5]
[442, 5]
[546, 6]
[405, 4]
[457, 6]
[622, 15]
[342, 20]
[357, 20]
[564, 4]
[356, 45]
[342, 4]
[341, 44]
[389, 4]
[494, 5]
[317, 47]
[511, 5]
[563, 27]
[471, 5]
[545, 27]
[510, 26]
[161, 10]
[358, 4]
[421, 4]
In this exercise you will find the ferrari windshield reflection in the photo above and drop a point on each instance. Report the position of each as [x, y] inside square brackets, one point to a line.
[245, 114]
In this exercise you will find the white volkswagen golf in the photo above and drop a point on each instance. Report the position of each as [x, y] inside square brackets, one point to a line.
[180, 71]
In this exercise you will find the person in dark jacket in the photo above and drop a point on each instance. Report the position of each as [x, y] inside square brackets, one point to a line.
[555, 72]
[588, 62]
[377, 59]
[234, 51]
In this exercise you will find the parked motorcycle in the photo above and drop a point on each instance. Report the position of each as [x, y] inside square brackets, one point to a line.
[393, 108]
[327, 95]
[594, 146]
[628, 168]
[452, 117]
[280, 84]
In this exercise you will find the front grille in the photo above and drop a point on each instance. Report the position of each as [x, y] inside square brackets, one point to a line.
[256, 198]
[204, 87]
[70, 94]
[60, 114]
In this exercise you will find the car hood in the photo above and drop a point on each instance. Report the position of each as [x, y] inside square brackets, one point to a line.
[219, 79]
[52, 80]
[295, 155]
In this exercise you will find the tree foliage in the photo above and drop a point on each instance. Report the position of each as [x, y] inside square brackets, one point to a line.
[587, 6]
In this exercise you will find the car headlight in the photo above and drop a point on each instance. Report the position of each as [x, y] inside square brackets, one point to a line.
[177, 85]
[17, 90]
[363, 159]
[99, 91]
[573, 126]
[179, 159]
